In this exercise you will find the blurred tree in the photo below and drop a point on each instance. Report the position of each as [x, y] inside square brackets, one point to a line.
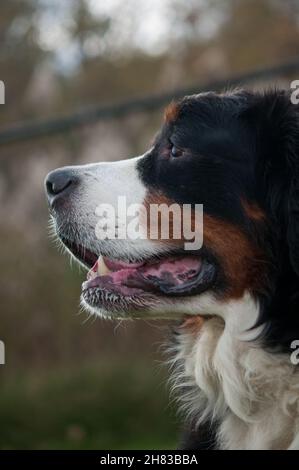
[19, 53]
[88, 30]
[258, 32]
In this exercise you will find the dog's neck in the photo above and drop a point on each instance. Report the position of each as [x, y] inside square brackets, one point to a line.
[228, 378]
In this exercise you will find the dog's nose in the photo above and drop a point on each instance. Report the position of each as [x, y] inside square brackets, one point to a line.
[59, 183]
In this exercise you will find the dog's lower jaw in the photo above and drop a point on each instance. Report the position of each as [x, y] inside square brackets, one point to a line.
[251, 395]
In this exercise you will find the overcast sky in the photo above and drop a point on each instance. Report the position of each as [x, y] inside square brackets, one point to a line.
[150, 26]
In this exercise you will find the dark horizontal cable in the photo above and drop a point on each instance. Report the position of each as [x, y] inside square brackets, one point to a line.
[39, 128]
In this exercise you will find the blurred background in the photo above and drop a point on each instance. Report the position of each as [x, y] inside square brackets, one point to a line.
[73, 382]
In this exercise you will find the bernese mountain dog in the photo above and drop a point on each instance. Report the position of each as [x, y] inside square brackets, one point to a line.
[234, 301]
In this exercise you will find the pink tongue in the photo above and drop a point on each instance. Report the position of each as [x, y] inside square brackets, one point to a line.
[180, 269]
[171, 275]
[114, 266]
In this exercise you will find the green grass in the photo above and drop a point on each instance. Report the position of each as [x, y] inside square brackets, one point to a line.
[111, 406]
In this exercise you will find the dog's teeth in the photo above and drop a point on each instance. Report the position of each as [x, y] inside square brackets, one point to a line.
[91, 275]
[102, 268]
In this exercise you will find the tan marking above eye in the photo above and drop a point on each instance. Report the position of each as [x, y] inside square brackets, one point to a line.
[171, 112]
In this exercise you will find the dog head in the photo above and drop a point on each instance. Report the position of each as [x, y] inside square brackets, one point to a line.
[236, 155]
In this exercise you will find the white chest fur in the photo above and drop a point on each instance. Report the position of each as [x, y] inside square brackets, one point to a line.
[226, 376]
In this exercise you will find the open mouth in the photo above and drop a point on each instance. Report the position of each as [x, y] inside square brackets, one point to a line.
[175, 275]
[115, 285]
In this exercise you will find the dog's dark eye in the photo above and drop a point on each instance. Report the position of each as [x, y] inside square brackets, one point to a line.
[175, 151]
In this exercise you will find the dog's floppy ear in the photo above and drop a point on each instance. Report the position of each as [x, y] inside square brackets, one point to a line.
[293, 218]
[277, 124]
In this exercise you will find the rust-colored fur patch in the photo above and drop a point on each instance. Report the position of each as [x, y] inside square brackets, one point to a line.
[242, 262]
[193, 324]
[240, 259]
[171, 112]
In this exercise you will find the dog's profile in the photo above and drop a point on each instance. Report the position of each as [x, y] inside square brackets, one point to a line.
[236, 299]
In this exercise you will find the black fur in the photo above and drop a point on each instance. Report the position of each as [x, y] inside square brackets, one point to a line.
[199, 438]
[235, 147]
